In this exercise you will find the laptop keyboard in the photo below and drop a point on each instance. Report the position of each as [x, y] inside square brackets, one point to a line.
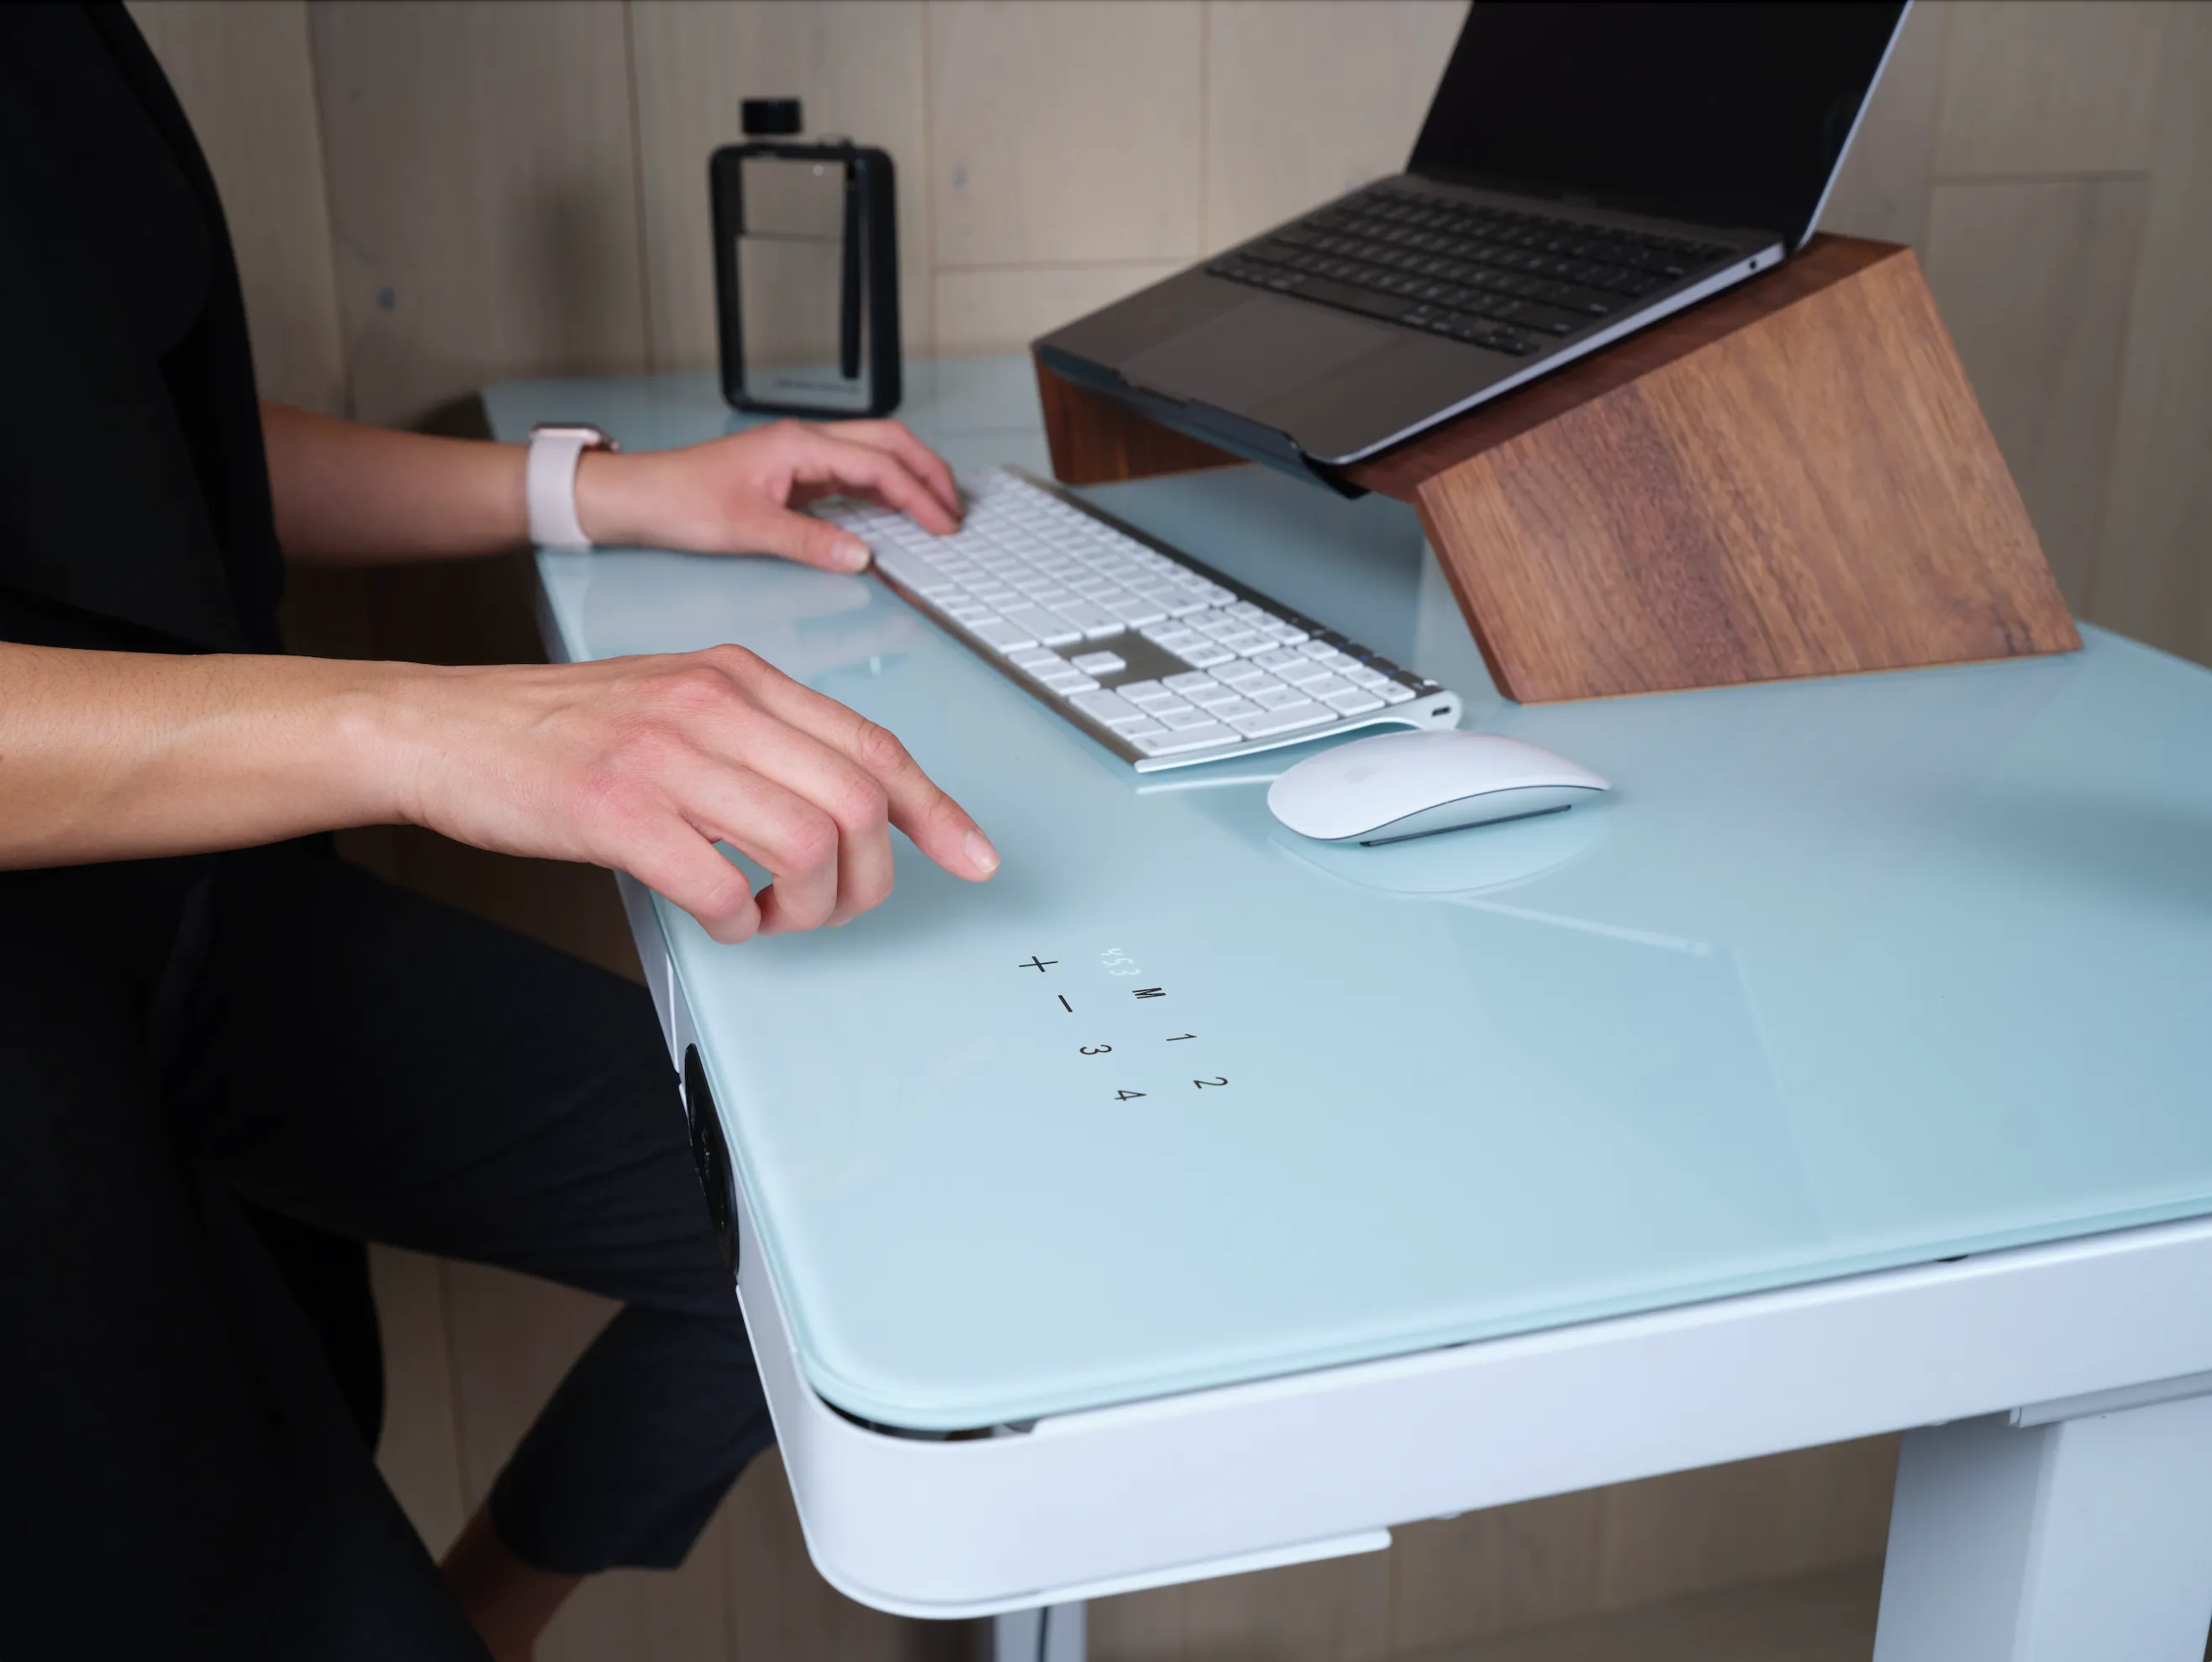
[1159, 658]
[1497, 278]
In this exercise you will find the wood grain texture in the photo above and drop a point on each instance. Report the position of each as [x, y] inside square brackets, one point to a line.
[1063, 130]
[1499, 1569]
[243, 72]
[2037, 279]
[1785, 489]
[856, 67]
[1828, 1617]
[2155, 563]
[981, 312]
[483, 195]
[1308, 99]
[1747, 1521]
[2050, 87]
[1096, 441]
[1882, 190]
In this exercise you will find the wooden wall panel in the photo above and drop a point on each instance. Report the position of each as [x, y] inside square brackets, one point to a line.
[1064, 130]
[243, 72]
[2036, 279]
[1491, 1572]
[1004, 309]
[484, 194]
[2154, 567]
[1308, 99]
[1882, 191]
[857, 67]
[2050, 87]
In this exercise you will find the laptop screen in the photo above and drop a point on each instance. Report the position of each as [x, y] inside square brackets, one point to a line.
[1730, 115]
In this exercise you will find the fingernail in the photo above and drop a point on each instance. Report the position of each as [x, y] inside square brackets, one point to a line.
[981, 854]
[853, 555]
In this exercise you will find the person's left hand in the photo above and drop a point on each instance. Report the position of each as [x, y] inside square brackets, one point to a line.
[738, 495]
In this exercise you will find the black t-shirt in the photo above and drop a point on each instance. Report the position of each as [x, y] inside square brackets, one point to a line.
[134, 494]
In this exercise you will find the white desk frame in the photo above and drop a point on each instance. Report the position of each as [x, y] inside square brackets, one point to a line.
[2054, 1499]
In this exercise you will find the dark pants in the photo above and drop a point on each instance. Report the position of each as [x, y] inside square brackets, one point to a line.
[211, 1086]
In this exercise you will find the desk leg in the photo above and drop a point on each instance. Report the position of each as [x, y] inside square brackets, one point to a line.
[2088, 1537]
[1053, 1634]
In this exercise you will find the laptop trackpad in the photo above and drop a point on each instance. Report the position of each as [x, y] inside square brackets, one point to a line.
[1244, 357]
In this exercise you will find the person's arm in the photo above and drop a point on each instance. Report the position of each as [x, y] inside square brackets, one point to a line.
[640, 764]
[349, 493]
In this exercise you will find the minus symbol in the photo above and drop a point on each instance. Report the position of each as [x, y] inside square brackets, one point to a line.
[1064, 1005]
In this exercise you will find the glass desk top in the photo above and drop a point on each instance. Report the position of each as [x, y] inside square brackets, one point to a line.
[1844, 974]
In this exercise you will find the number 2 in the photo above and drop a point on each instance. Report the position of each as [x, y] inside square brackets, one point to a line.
[1203, 1084]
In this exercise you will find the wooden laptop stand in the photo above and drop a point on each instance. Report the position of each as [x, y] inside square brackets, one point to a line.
[1792, 478]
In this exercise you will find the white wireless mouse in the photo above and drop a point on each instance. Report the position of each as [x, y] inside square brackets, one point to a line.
[1411, 784]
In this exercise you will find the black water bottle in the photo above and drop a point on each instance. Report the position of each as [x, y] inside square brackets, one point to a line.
[805, 269]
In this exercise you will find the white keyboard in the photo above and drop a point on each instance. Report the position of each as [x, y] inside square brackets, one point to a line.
[1160, 659]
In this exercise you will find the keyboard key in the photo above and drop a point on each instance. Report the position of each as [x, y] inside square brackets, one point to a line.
[1095, 625]
[1305, 669]
[1393, 692]
[1277, 660]
[1146, 729]
[1133, 609]
[1141, 689]
[1188, 680]
[1325, 686]
[1235, 707]
[1351, 701]
[1359, 675]
[1048, 628]
[1288, 719]
[1245, 676]
[1035, 658]
[907, 569]
[1179, 719]
[1007, 637]
[1099, 664]
[1192, 738]
[1277, 697]
[1313, 648]
[1111, 708]
[1213, 697]
[1243, 642]
[1065, 682]
[1206, 655]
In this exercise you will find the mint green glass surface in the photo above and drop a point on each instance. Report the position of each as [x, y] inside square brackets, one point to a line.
[1844, 974]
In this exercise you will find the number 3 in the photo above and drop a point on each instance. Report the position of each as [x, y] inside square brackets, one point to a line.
[1094, 1050]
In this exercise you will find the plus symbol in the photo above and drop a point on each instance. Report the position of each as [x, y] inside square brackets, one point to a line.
[1036, 963]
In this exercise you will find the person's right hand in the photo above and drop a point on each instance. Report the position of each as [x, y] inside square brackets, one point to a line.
[643, 764]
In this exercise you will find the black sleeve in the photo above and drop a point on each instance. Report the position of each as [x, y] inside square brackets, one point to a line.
[134, 498]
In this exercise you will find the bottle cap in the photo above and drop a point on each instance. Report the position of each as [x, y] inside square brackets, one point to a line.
[770, 118]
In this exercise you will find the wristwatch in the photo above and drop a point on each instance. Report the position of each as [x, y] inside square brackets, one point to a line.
[549, 482]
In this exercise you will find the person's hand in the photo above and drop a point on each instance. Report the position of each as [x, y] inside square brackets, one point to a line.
[643, 764]
[738, 495]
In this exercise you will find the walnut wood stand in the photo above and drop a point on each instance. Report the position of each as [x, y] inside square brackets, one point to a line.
[1790, 479]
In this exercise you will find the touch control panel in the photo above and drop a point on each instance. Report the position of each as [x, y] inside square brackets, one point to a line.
[1124, 1030]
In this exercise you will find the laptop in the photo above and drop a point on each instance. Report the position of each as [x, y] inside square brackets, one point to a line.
[1585, 170]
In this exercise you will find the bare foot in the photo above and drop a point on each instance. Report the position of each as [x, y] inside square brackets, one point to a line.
[506, 1601]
